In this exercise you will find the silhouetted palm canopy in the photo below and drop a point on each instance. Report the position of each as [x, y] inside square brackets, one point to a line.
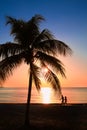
[34, 47]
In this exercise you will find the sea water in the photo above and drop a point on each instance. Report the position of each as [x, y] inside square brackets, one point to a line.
[19, 95]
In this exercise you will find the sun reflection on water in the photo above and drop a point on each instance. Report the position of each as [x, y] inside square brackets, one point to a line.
[46, 95]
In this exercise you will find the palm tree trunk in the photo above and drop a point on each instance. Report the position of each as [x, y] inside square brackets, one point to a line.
[27, 114]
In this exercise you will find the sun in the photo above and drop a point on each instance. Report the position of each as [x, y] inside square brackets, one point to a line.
[46, 95]
[44, 70]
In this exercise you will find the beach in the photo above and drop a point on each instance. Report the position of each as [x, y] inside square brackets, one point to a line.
[44, 116]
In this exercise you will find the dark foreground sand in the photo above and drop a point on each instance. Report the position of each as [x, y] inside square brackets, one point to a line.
[44, 117]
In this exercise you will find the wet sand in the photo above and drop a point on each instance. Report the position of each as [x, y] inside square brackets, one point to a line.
[44, 116]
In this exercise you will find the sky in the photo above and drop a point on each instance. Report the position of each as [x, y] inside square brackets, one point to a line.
[67, 20]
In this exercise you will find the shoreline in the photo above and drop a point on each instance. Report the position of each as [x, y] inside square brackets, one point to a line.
[59, 104]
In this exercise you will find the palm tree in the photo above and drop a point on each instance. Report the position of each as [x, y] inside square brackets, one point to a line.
[36, 48]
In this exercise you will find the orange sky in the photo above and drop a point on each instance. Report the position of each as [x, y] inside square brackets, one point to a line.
[75, 72]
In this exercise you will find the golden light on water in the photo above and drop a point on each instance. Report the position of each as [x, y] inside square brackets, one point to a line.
[46, 95]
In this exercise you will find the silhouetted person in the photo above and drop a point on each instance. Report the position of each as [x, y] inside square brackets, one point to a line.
[62, 98]
[65, 100]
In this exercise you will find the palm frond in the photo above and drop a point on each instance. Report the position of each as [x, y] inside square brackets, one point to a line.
[33, 27]
[48, 34]
[9, 49]
[36, 73]
[25, 32]
[55, 46]
[56, 64]
[62, 48]
[44, 35]
[19, 29]
[37, 19]
[8, 64]
[16, 25]
[53, 80]
[44, 48]
[10, 20]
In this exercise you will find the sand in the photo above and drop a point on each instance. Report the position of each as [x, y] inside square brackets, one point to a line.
[44, 117]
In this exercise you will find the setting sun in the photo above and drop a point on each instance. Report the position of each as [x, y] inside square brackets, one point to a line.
[46, 95]
[44, 70]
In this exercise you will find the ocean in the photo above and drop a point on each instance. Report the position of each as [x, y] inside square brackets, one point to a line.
[19, 95]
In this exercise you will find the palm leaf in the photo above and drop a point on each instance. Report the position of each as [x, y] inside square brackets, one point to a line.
[36, 19]
[8, 64]
[56, 64]
[62, 48]
[55, 46]
[16, 25]
[10, 20]
[9, 49]
[25, 32]
[36, 73]
[53, 80]
[44, 35]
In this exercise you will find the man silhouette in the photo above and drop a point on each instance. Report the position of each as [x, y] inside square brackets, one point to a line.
[65, 100]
